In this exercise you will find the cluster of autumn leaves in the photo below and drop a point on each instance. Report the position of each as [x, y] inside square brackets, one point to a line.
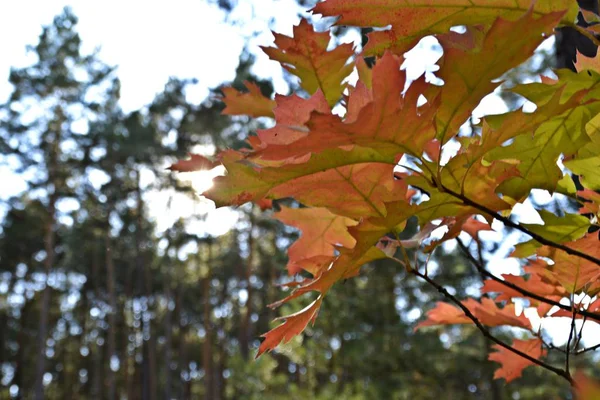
[344, 169]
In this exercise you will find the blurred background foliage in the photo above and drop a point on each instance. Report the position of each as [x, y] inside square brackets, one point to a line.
[95, 303]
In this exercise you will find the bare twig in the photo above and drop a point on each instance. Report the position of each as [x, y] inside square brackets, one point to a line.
[571, 332]
[580, 334]
[480, 267]
[588, 349]
[550, 346]
[486, 332]
[512, 224]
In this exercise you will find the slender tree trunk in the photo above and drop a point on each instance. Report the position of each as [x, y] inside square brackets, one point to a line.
[129, 332]
[168, 338]
[222, 350]
[19, 378]
[182, 361]
[112, 322]
[149, 345]
[245, 331]
[96, 348]
[207, 355]
[49, 237]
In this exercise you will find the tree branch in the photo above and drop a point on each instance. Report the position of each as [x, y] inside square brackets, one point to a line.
[588, 349]
[571, 333]
[486, 332]
[509, 222]
[524, 292]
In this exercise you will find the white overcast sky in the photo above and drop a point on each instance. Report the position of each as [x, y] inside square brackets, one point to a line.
[149, 40]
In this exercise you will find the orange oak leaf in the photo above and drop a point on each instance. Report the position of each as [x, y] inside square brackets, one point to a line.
[592, 205]
[390, 124]
[345, 266]
[294, 325]
[535, 284]
[251, 103]
[513, 364]
[588, 63]
[456, 225]
[322, 232]
[487, 312]
[291, 115]
[575, 273]
[246, 181]
[306, 56]
[468, 72]
[195, 163]
[410, 20]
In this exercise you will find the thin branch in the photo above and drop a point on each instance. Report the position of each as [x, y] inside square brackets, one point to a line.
[512, 224]
[588, 349]
[571, 332]
[550, 346]
[580, 334]
[486, 332]
[524, 292]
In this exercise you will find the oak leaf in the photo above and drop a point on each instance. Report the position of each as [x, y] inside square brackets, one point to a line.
[513, 364]
[306, 56]
[410, 20]
[252, 103]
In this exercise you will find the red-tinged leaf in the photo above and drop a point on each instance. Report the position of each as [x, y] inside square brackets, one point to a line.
[586, 63]
[410, 20]
[294, 325]
[291, 115]
[575, 273]
[457, 225]
[487, 312]
[322, 232]
[195, 163]
[251, 103]
[313, 265]
[592, 205]
[444, 314]
[463, 176]
[246, 181]
[468, 72]
[387, 123]
[535, 284]
[306, 56]
[513, 364]
[365, 74]
[356, 191]
[265, 204]
[592, 307]
[473, 226]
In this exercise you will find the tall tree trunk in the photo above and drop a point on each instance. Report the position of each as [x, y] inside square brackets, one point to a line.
[49, 237]
[96, 348]
[20, 369]
[207, 355]
[168, 337]
[149, 343]
[245, 331]
[182, 361]
[129, 332]
[112, 321]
